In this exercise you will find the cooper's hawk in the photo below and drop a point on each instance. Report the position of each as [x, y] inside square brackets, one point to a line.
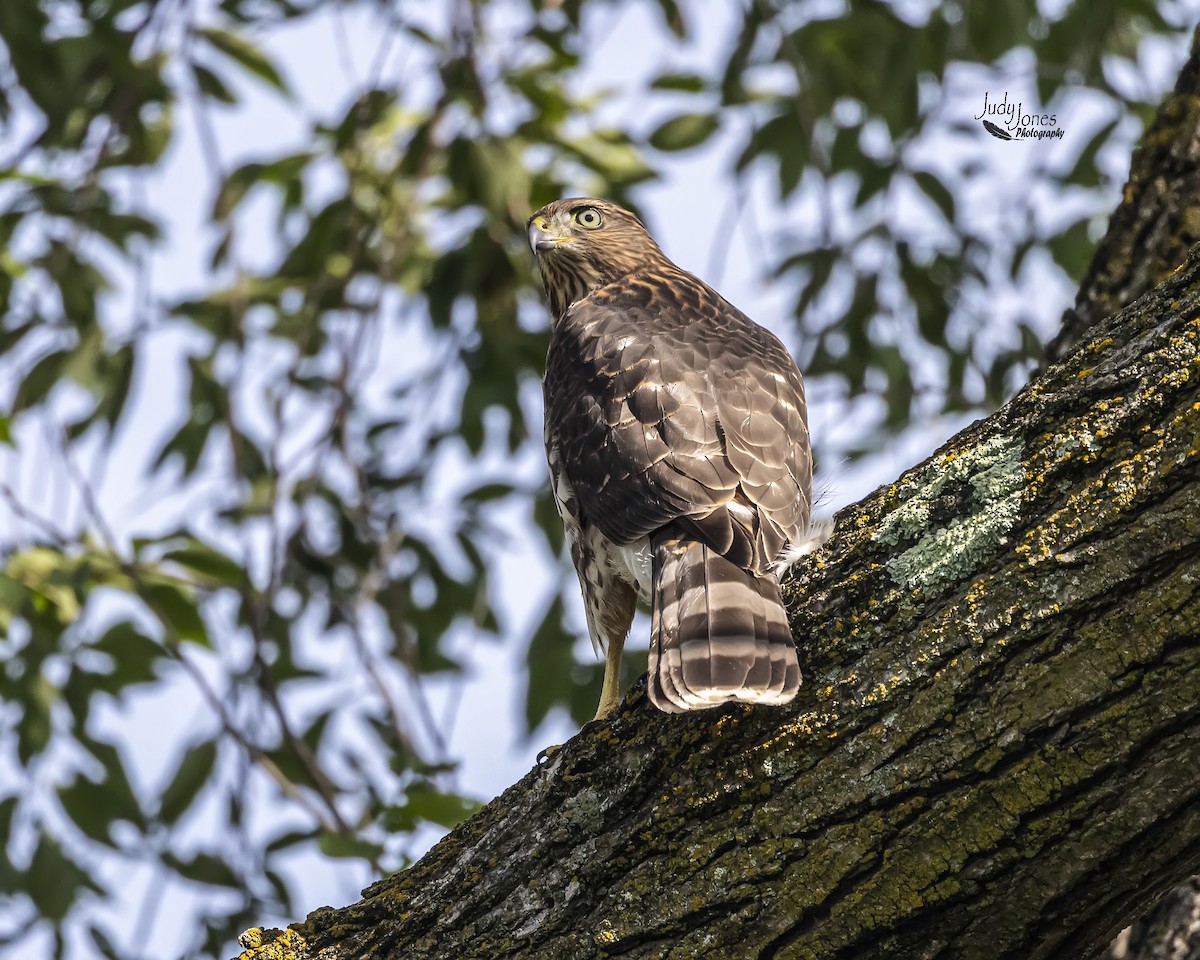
[680, 461]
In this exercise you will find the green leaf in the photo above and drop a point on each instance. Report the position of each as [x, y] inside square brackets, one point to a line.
[684, 132]
[296, 768]
[211, 85]
[9, 877]
[685, 82]
[33, 723]
[424, 802]
[115, 781]
[1072, 249]
[550, 662]
[133, 655]
[290, 839]
[490, 491]
[112, 400]
[993, 28]
[371, 107]
[54, 881]
[936, 191]
[93, 808]
[234, 189]
[873, 178]
[209, 562]
[104, 944]
[204, 868]
[1085, 173]
[177, 609]
[344, 847]
[40, 380]
[673, 17]
[193, 773]
[845, 152]
[246, 54]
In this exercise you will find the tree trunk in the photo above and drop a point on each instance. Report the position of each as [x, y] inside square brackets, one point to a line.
[1148, 237]
[1158, 219]
[996, 752]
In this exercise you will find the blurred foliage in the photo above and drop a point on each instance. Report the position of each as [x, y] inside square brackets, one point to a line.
[370, 326]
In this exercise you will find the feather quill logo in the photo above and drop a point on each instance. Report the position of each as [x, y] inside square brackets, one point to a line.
[998, 132]
[1015, 123]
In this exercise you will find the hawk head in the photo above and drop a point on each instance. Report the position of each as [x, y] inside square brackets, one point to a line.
[583, 243]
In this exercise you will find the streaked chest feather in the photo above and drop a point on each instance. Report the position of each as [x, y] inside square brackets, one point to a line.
[590, 549]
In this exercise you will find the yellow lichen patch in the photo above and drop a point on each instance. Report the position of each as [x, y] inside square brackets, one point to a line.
[605, 935]
[805, 725]
[1120, 487]
[976, 592]
[272, 944]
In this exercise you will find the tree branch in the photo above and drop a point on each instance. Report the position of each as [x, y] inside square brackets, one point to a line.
[1171, 931]
[1147, 238]
[1158, 219]
[994, 753]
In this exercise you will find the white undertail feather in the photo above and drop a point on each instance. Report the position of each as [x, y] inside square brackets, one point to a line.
[814, 538]
[638, 559]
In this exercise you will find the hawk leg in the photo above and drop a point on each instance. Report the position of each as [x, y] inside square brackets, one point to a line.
[610, 691]
[609, 601]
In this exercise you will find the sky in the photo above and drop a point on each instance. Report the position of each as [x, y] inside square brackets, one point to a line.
[323, 60]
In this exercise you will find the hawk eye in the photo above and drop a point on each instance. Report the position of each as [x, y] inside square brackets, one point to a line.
[589, 217]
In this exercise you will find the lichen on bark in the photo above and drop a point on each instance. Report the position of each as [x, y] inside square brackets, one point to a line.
[988, 480]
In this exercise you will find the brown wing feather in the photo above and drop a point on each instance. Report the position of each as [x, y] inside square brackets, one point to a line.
[670, 404]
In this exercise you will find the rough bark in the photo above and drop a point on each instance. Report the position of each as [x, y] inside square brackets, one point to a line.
[1148, 237]
[994, 754]
[1171, 931]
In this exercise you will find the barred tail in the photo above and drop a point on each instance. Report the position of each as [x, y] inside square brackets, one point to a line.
[718, 632]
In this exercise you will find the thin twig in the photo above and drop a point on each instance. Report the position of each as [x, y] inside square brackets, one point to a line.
[21, 512]
[87, 495]
[342, 42]
[152, 901]
[256, 753]
[301, 749]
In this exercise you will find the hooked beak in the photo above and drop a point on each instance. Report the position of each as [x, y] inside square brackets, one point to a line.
[541, 240]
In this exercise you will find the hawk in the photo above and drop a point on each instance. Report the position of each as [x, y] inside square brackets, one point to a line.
[677, 438]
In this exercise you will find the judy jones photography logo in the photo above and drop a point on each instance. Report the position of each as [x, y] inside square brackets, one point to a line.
[1007, 121]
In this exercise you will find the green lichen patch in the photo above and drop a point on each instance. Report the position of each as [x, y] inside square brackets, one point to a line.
[584, 811]
[991, 476]
[1069, 443]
